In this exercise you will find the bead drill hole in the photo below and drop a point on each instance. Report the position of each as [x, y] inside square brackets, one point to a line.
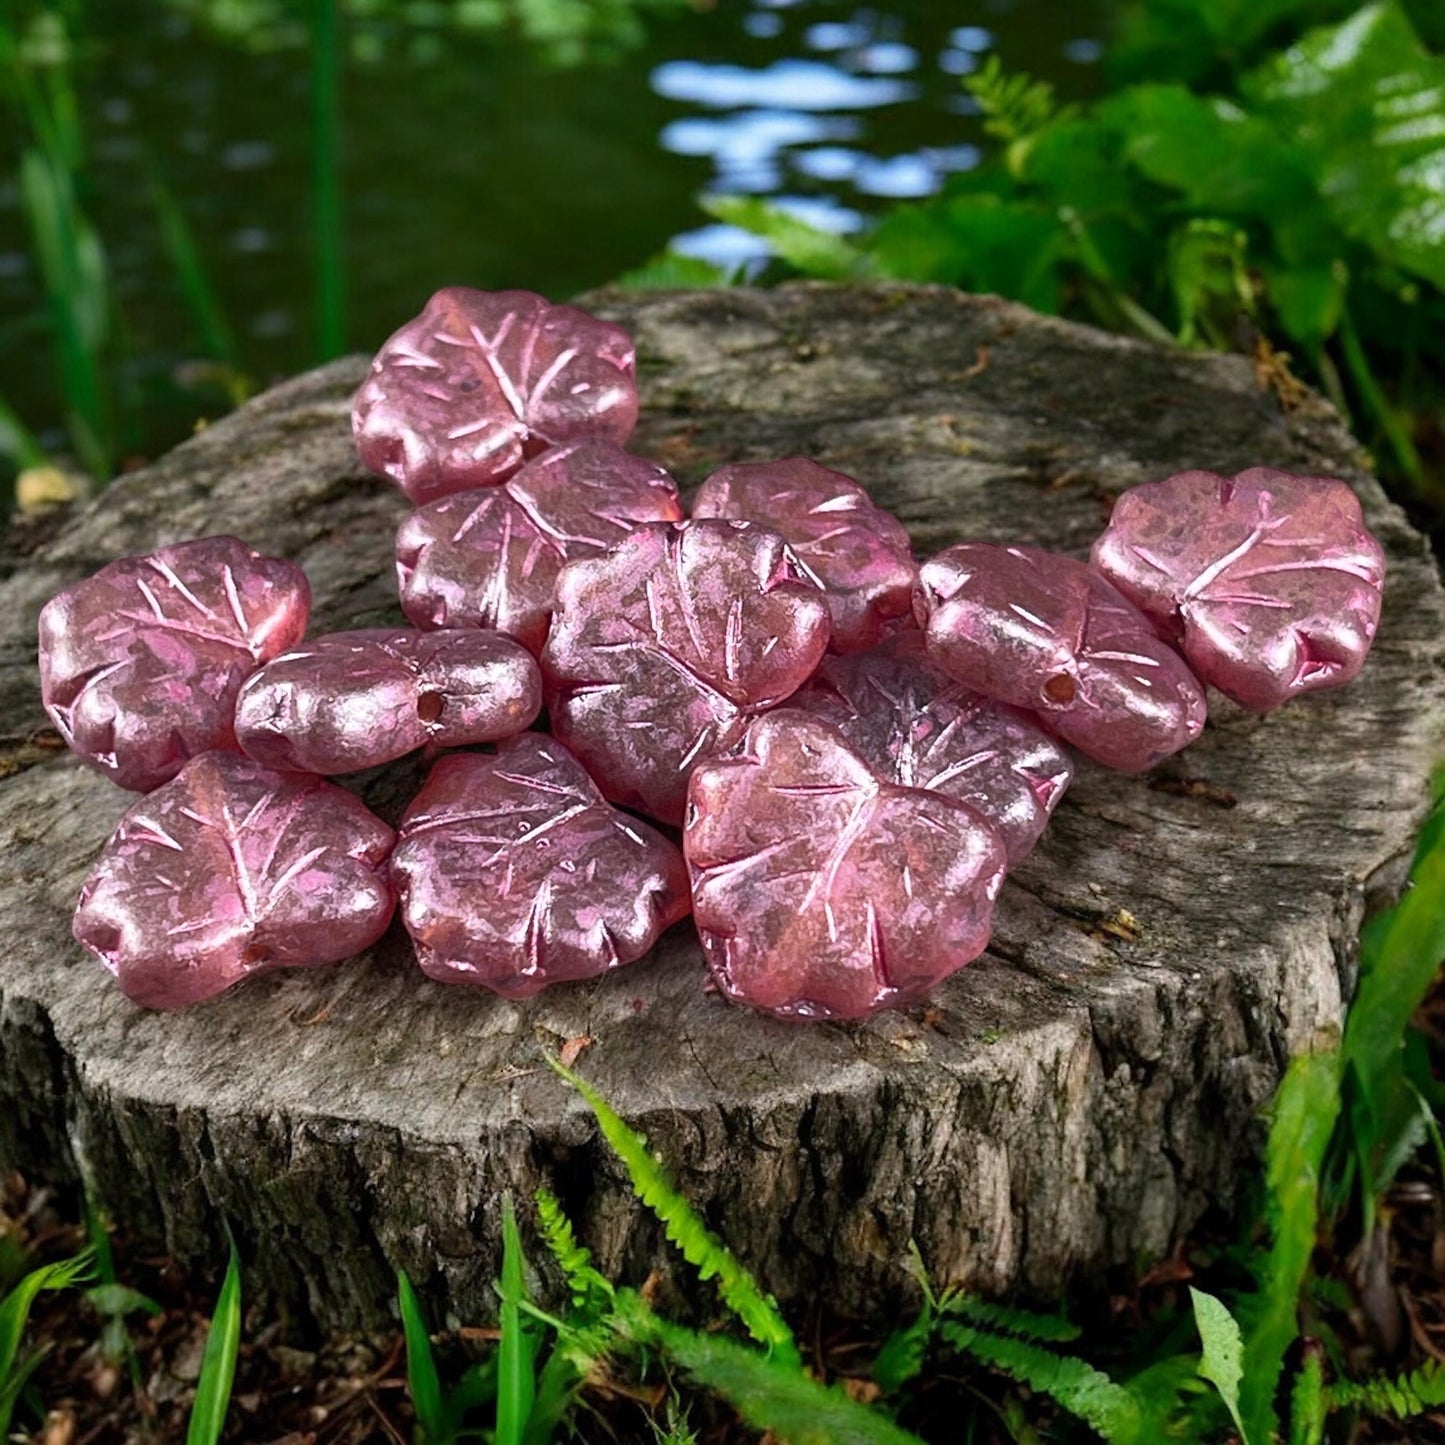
[1060, 689]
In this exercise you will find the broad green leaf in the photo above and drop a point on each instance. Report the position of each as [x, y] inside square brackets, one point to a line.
[1364, 102]
[1080, 163]
[672, 271]
[1222, 1362]
[218, 1362]
[423, 1382]
[979, 242]
[1302, 1119]
[806, 248]
[1307, 299]
[1223, 161]
[517, 1351]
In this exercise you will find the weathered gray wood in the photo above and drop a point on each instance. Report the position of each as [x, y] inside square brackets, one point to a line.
[1070, 1102]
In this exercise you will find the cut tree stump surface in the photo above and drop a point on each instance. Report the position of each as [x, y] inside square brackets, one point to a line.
[1070, 1102]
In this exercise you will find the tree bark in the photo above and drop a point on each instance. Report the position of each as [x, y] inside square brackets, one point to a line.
[1069, 1103]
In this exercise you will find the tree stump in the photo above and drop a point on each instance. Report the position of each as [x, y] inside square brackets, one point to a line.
[1069, 1103]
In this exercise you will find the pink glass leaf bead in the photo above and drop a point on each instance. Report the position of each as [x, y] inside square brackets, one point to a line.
[461, 396]
[660, 648]
[860, 554]
[231, 869]
[490, 557]
[821, 891]
[1047, 633]
[1270, 583]
[140, 664]
[914, 726]
[352, 700]
[514, 873]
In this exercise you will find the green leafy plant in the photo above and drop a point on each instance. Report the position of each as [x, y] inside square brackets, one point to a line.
[218, 1361]
[1250, 180]
[17, 1365]
[685, 1228]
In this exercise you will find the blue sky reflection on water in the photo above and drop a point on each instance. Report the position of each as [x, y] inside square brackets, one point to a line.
[797, 128]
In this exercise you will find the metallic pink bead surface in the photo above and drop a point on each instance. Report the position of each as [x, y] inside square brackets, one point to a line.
[490, 557]
[914, 726]
[514, 873]
[140, 664]
[461, 396]
[352, 700]
[1049, 634]
[859, 553]
[231, 869]
[1269, 582]
[661, 647]
[821, 891]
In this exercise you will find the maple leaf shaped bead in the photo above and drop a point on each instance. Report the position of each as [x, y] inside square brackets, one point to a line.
[822, 891]
[664, 645]
[352, 700]
[1271, 583]
[515, 873]
[463, 394]
[231, 869]
[489, 557]
[859, 553]
[140, 664]
[917, 727]
[1051, 635]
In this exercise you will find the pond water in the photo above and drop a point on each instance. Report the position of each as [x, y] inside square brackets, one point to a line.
[473, 160]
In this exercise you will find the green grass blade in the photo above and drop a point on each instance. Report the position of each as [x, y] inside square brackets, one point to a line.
[202, 300]
[422, 1379]
[218, 1363]
[684, 1226]
[517, 1352]
[769, 1392]
[1400, 955]
[17, 441]
[15, 1311]
[1304, 1113]
[1222, 1362]
[329, 236]
[12, 1386]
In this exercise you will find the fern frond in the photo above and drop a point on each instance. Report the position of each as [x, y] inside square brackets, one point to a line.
[590, 1290]
[1307, 1408]
[768, 1392]
[1401, 1396]
[1068, 1381]
[1014, 105]
[685, 1228]
[1053, 1329]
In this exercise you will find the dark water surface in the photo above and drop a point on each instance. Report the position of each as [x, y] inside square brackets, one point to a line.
[477, 162]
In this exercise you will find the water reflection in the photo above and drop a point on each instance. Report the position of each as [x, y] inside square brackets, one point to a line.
[807, 85]
[783, 122]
